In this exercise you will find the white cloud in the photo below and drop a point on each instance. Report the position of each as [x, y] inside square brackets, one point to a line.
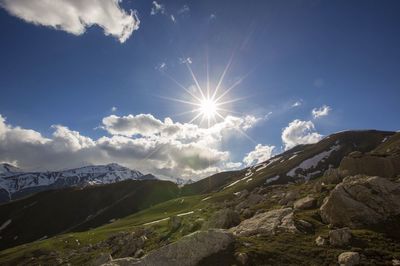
[157, 8]
[186, 60]
[113, 109]
[143, 142]
[184, 10]
[297, 104]
[75, 16]
[161, 66]
[320, 112]
[299, 132]
[260, 154]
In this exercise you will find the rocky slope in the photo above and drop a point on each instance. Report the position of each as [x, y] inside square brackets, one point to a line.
[15, 183]
[306, 206]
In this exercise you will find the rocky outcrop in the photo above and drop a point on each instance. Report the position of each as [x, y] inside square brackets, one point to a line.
[361, 201]
[349, 258]
[340, 237]
[289, 197]
[223, 219]
[370, 164]
[188, 251]
[268, 223]
[305, 203]
[125, 244]
[251, 200]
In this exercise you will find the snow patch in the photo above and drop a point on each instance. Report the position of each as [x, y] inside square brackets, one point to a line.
[313, 161]
[272, 179]
[5, 224]
[185, 213]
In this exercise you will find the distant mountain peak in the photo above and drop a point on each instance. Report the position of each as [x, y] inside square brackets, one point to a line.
[17, 183]
[6, 168]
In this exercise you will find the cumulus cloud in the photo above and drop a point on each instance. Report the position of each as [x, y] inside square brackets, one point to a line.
[75, 16]
[320, 112]
[260, 154]
[299, 132]
[165, 148]
[157, 8]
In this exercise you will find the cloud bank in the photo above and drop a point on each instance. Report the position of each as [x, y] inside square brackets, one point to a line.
[76, 16]
[165, 148]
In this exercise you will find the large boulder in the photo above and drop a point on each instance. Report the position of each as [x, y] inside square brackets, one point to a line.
[188, 251]
[305, 203]
[370, 164]
[361, 201]
[349, 258]
[340, 237]
[223, 219]
[268, 223]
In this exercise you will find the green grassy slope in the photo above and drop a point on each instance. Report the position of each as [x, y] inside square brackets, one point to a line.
[52, 212]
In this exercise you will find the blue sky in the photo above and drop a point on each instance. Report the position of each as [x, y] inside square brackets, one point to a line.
[343, 55]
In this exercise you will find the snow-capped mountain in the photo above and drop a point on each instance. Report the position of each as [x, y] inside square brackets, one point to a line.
[8, 169]
[16, 183]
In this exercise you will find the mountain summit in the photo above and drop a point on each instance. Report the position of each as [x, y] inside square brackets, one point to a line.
[15, 183]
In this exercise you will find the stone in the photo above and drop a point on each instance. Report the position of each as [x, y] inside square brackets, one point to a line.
[223, 219]
[361, 201]
[305, 203]
[289, 197]
[125, 244]
[187, 251]
[321, 241]
[101, 259]
[247, 213]
[139, 253]
[242, 258]
[268, 223]
[175, 222]
[250, 201]
[340, 237]
[349, 258]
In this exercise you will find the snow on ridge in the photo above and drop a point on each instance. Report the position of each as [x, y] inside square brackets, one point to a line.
[84, 176]
[313, 161]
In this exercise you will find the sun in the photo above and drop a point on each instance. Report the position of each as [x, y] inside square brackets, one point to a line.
[208, 108]
[209, 102]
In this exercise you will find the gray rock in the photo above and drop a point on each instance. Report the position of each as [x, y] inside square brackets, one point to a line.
[321, 241]
[247, 213]
[340, 237]
[102, 258]
[250, 201]
[188, 251]
[289, 197]
[361, 200]
[223, 219]
[268, 223]
[305, 203]
[349, 258]
[175, 222]
[125, 244]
